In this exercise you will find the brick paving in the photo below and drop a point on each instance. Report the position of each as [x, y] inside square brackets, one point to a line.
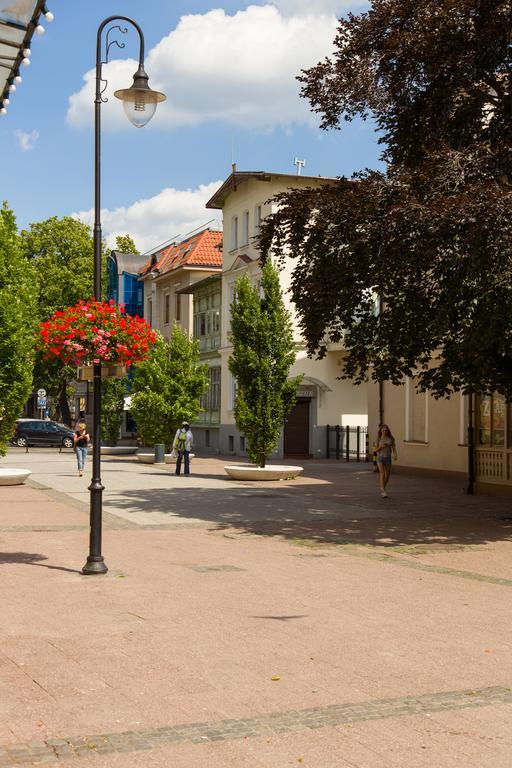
[236, 621]
[56, 749]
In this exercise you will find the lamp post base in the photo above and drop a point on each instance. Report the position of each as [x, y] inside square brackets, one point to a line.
[94, 565]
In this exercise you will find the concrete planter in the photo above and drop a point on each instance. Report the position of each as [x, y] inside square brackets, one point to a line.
[271, 472]
[148, 457]
[11, 476]
[118, 450]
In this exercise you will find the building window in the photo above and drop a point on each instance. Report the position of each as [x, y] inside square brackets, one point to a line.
[257, 220]
[245, 228]
[234, 233]
[210, 401]
[231, 444]
[177, 306]
[207, 443]
[416, 406]
[167, 309]
[232, 393]
[207, 320]
[242, 443]
[492, 419]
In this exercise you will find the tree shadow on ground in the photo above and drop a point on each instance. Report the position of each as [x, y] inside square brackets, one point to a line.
[347, 510]
[31, 558]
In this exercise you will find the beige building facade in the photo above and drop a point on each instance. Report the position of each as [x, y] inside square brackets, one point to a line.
[432, 434]
[323, 399]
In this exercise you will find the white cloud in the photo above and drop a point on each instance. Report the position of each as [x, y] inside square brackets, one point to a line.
[238, 68]
[154, 220]
[315, 7]
[26, 141]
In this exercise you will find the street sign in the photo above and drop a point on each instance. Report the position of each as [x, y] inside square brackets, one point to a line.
[41, 402]
[41, 392]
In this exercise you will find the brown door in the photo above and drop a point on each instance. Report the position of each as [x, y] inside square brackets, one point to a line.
[296, 430]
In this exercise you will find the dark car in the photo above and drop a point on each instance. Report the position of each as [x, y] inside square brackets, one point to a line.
[41, 432]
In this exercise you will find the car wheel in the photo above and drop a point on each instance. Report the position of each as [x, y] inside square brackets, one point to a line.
[67, 442]
[21, 442]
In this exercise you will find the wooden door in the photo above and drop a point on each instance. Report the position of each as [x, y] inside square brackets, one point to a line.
[296, 430]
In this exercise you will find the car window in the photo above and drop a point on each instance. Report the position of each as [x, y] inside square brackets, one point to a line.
[33, 426]
[49, 427]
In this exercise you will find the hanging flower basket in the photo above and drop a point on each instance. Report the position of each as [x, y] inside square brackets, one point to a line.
[93, 332]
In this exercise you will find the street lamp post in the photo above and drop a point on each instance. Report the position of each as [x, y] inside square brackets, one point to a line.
[139, 103]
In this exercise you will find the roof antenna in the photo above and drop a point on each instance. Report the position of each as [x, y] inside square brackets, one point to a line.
[300, 165]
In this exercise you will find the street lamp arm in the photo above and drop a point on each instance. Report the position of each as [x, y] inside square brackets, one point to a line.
[119, 18]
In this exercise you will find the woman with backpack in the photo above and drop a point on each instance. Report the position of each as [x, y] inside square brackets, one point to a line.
[183, 441]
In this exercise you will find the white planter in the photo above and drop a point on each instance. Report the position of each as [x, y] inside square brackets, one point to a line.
[10, 476]
[149, 457]
[118, 450]
[271, 472]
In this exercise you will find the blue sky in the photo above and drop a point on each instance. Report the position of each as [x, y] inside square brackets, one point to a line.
[228, 70]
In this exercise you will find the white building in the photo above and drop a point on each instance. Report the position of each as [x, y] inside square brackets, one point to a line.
[323, 399]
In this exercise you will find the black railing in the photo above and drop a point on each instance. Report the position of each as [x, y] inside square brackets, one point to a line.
[347, 443]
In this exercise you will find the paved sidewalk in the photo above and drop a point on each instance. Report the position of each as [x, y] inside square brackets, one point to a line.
[298, 623]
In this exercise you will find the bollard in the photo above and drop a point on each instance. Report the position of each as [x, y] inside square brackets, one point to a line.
[159, 453]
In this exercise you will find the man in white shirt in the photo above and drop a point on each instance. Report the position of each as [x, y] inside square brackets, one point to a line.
[183, 441]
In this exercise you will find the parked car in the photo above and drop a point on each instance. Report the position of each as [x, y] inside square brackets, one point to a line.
[41, 432]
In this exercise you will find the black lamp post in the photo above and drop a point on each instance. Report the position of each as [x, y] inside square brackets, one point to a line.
[139, 103]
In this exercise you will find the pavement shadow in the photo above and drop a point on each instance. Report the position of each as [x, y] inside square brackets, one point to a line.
[348, 510]
[31, 558]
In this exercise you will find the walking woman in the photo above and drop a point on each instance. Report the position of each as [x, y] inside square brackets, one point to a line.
[81, 440]
[384, 448]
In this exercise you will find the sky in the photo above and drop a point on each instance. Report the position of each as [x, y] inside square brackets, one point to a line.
[228, 69]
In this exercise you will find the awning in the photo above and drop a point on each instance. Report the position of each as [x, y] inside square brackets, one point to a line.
[19, 21]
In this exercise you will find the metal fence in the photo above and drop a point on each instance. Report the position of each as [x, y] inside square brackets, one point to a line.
[347, 443]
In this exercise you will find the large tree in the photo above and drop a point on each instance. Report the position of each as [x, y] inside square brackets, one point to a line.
[18, 300]
[167, 388]
[412, 265]
[263, 353]
[61, 253]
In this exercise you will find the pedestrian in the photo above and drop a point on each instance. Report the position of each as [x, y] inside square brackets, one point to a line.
[81, 440]
[385, 448]
[183, 441]
[80, 420]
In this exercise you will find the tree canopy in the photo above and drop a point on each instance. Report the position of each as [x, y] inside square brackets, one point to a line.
[412, 265]
[167, 388]
[18, 299]
[263, 353]
[125, 244]
[61, 254]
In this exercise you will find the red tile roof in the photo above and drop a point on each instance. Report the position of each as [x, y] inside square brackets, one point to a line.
[201, 250]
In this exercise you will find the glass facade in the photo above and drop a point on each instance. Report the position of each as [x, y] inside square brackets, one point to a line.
[132, 293]
[207, 320]
[493, 415]
[112, 281]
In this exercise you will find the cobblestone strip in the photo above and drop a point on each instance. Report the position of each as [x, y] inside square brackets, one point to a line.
[224, 730]
[384, 558]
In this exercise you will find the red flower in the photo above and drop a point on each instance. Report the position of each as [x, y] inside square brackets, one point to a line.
[95, 330]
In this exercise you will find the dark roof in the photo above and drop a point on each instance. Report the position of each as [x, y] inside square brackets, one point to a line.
[128, 262]
[200, 284]
[239, 177]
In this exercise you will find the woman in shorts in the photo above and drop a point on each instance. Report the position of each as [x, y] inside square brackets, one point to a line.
[385, 449]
